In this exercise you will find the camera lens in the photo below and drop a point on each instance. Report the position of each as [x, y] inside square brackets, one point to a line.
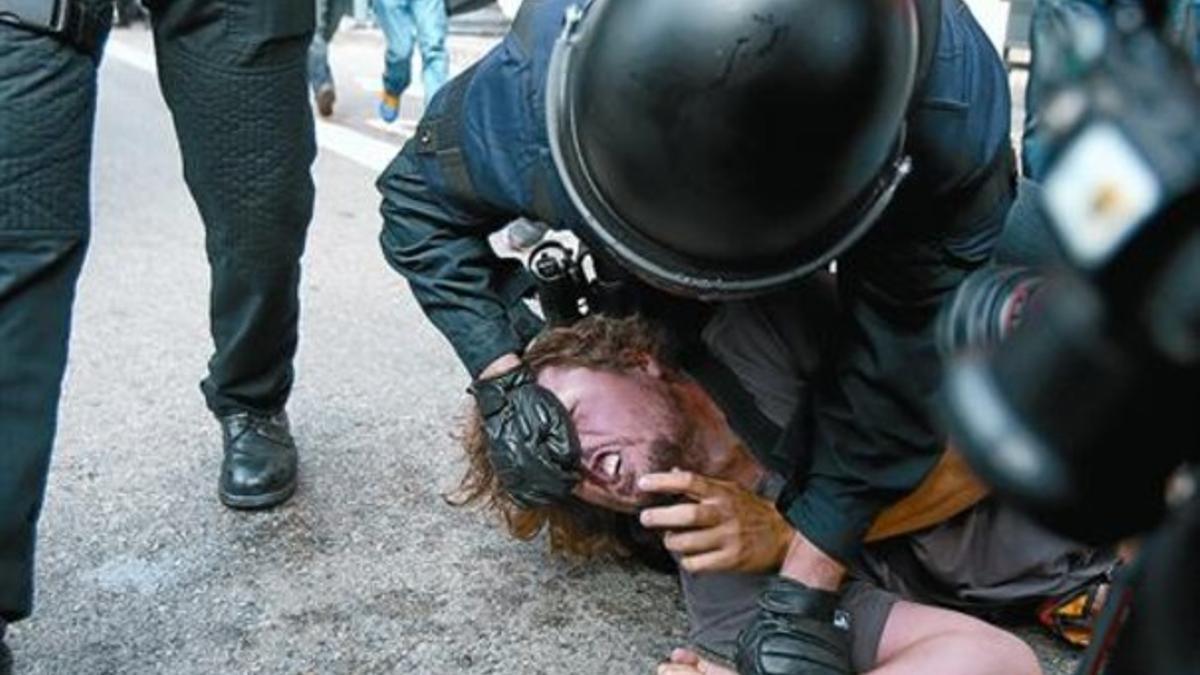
[987, 306]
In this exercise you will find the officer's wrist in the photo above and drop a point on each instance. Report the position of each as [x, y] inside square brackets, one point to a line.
[809, 565]
[504, 364]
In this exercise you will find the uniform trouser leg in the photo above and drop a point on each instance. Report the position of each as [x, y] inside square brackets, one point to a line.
[47, 109]
[234, 77]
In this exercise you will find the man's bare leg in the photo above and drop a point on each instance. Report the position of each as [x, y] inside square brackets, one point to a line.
[919, 639]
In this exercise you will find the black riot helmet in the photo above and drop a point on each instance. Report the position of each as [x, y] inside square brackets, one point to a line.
[725, 148]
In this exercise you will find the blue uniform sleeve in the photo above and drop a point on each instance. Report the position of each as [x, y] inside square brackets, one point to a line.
[441, 246]
[872, 436]
[873, 439]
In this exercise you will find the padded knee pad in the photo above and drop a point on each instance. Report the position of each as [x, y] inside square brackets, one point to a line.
[47, 107]
[246, 134]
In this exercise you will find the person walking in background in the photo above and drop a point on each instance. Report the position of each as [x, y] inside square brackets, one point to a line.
[402, 21]
[130, 12]
[320, 76]
[1049, 19]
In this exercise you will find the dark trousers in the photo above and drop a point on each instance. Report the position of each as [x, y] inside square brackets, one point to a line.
[233, 75]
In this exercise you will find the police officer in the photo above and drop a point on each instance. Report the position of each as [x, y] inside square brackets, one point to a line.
[233, 75]
[720, 150]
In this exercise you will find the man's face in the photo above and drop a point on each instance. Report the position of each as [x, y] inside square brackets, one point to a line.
[630, 423]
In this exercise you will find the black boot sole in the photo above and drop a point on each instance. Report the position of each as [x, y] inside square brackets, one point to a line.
[256, 502]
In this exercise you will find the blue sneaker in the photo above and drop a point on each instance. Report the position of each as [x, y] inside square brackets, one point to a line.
[389, 107]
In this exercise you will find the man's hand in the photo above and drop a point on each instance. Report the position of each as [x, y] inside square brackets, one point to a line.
[686, 662]
[798, 631]
[725, 528]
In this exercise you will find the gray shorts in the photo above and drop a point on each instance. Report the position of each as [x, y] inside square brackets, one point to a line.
[720, 605]
[986, 560]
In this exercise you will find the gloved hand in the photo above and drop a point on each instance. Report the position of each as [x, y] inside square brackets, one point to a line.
[531, 442]
[795, 633]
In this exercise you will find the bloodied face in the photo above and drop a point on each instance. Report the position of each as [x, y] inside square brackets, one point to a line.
[630, 423]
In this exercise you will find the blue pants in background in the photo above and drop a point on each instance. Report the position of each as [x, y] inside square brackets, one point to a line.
[404, 21]
[329, 14]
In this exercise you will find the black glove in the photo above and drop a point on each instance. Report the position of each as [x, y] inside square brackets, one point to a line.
[795, 633]
[531, 442]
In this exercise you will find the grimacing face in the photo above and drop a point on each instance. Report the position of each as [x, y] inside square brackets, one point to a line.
[630, 423]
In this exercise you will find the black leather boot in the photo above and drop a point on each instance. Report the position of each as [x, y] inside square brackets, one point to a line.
[259, 470]
[6, 657]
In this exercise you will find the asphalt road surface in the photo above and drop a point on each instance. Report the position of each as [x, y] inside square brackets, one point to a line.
[366, 570]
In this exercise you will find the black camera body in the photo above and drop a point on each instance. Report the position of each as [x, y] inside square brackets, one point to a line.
[573, 284]
[1084, 413]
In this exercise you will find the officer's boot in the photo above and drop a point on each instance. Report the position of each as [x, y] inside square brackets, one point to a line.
[259, 470]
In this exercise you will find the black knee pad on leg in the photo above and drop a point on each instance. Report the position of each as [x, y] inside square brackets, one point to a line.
[248, 145]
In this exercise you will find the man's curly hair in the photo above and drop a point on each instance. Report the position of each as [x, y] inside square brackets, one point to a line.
[575, 529]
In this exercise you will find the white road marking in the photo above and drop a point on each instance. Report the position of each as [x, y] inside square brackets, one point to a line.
[400, 127]
[360, 148]
[375, 84]
[368, 83]
[131, 56]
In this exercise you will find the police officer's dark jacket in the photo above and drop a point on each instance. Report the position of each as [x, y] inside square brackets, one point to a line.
[480, 158]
